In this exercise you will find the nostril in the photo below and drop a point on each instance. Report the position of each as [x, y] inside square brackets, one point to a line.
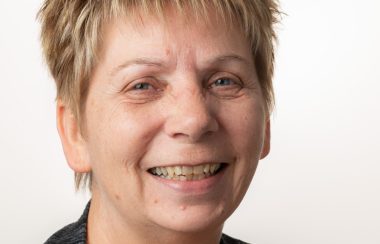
[190, 117]
[191, 128]
[194, 133]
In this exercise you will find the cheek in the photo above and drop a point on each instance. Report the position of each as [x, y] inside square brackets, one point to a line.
[245, 123]
[245, 127]
[120, 137]
[117, 141]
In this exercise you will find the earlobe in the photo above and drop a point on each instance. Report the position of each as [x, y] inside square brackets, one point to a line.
[74, 146]
[266, 145]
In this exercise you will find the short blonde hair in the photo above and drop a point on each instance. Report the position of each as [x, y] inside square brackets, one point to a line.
[72, 29]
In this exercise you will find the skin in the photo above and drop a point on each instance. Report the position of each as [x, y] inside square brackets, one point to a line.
[196, 99]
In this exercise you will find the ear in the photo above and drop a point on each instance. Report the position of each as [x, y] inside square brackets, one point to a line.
[74, 145]
[266, 147]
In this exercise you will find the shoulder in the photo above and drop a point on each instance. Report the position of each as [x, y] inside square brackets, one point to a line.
[229, 240]
[70, 234]
[75, 233]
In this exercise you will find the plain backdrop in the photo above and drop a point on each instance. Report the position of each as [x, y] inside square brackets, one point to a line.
[321, 181]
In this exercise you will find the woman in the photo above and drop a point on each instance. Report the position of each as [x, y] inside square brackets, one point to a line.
[163, 109]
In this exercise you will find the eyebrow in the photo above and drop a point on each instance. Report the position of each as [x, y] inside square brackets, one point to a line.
[137, 61]
[144, 61]
[227, 58]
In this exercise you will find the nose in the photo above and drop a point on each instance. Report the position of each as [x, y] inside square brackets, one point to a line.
[190, 117]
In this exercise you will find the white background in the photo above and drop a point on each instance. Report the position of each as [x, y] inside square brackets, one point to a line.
[321, 181]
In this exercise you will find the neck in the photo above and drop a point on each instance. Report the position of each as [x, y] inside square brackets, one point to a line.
[106, 225]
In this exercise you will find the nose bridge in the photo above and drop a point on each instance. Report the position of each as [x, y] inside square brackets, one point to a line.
[191, 115]
[192, 106]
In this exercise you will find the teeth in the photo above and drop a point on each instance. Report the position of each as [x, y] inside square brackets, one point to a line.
[217, 167]
[201, 176]
[182, 178]
[206, 168]
[186, 170]
[178, 170]
[164, 171]
[170, 171]
[186, 173]
[212, 168]
[198, 170]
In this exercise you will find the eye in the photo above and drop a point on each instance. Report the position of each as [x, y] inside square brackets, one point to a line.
[144, 90]
[142, 86]
[227, 86]
[223, 82]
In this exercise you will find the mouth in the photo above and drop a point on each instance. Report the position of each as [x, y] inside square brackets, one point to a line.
[187, 173]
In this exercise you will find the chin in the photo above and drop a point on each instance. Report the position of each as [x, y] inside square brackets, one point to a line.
[194, 219]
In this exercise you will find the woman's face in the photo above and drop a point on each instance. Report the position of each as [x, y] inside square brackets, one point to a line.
[175, 122]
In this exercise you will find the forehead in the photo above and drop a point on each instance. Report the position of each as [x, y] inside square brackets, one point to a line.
[172, 34]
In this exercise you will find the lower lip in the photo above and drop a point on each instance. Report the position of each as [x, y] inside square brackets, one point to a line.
[194, 187]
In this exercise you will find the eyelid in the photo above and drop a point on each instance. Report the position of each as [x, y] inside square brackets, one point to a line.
[142, 96]
[232, 90]
[224, 75]
[144, 80]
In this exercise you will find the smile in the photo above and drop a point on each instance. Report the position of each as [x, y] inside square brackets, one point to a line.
[186, 173]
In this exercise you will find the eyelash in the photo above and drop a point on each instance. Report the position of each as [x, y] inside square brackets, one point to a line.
[138, 86]
[230, 90]
[216, 81]
[222, 85]
[143, 90]
[143, 84]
